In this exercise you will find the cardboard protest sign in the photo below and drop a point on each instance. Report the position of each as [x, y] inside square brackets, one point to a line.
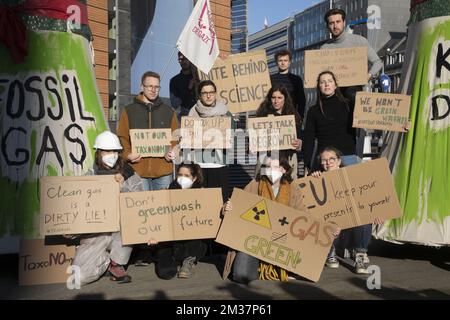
[167, 215]
[277, 234]
[349, 65]
[242, 80]
[206, 133]
[43, 264]
[84, 204]
[352, 196]
[382, 111]
[150, 142]
[271, 133]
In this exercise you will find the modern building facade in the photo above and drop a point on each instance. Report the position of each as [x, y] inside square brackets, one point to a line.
[239, 30]
[272, 39]
[376, 20]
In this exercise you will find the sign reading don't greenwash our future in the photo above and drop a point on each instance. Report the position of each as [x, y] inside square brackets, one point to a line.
[382, 111]
[167, 215]
[150, 142]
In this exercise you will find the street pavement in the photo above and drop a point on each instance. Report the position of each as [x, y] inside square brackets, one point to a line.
[406, 272]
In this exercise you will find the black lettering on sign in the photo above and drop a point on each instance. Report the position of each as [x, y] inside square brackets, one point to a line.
[53, 147]
[319, 201]
[76, 140]
[441, 60]
[37, 91]
[58, 98]
[11, 94]
[435, 107]
[17, 152]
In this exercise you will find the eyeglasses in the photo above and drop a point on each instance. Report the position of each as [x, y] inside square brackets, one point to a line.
[329, 160]
[153, 88]
[207, 93]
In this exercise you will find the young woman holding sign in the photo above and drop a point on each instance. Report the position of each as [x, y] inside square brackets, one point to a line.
[212, 161]
[279, 103]
[354, 238]
[330, 122]
[273, 183]
[104, 252]
[180, 257]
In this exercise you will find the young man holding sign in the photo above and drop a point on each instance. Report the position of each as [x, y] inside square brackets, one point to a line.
[335, 20]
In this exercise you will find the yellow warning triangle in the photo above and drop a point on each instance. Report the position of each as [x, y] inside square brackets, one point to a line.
[258, 214]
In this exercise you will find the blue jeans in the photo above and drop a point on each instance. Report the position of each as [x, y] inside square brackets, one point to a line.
[356, 238]
[153, 184]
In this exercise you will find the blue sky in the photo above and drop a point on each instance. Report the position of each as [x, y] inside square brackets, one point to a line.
[274, 10]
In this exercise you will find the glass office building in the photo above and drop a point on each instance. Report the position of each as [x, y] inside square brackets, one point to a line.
[238, 26]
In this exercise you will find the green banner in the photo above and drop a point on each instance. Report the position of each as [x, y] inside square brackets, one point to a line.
[422, 166]
[50, 114]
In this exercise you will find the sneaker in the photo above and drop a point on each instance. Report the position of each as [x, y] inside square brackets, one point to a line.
[332, 261]
[117, 273]
[360, 265]
[187, 269]
[141, 263]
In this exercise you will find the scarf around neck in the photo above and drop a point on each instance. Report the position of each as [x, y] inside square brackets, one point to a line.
[284, 193]
[219, 109]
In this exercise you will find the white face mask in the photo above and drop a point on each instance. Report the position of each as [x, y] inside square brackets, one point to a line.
[185, 182]
[274, 176]
[110, 159]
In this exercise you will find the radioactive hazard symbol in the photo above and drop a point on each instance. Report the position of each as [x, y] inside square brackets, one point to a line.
[258, 214]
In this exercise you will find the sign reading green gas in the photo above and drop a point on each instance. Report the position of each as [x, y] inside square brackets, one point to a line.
[277, 234]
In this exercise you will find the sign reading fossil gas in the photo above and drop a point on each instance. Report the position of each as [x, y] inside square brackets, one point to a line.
[349, 65]
[201, 133]
[242, 80]
[43, 264]
[166, 215]
[84, 204]
[277, 234]
[150, 142]
[352, 196]
[382, 111]
[271, 133]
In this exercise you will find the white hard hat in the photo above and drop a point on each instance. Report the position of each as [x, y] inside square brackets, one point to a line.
[107, 141]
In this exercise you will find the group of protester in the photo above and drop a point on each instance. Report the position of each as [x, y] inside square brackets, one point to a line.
[329, 122]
